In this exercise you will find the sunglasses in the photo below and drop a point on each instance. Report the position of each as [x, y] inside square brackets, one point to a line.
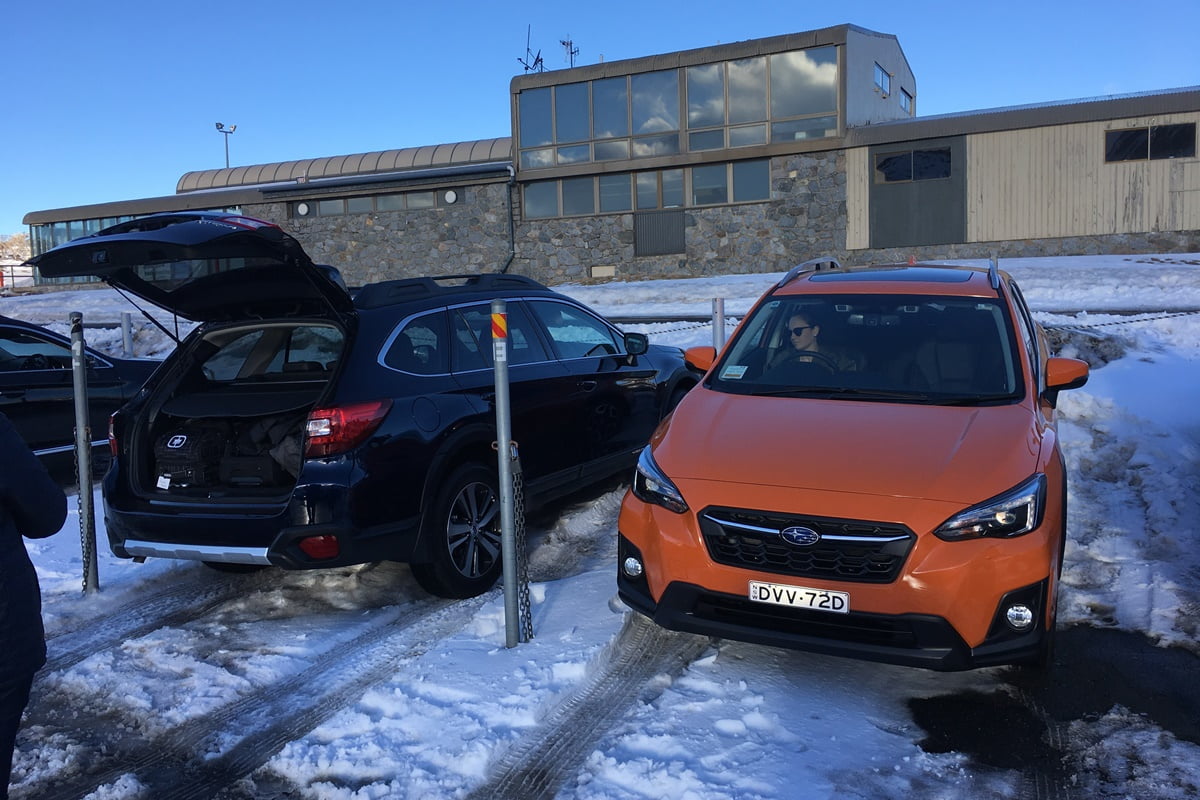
[800, 329]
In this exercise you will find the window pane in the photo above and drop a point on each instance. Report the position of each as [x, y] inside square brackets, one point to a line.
[420, 200]
[931, 164]
[665, 145]
[893, 167]
[751, 181]
[1173, 141]
[747, 135]
[607, 151]
[708, 185]
[533, 106]
[656, 102]
[610, 108]
[672, 188]
[615, 193]
[748, 90]
[390, 202]
[883, 80]
[331, 208]
[422, 347]
[706, 140]
[570, 113]
[1128, 145]
[796, 129]
[577, 196]
[535, 159]
[647, 190]
[574, 332]
[541, 199]
[359, 205]
[575, 154]
[804, 82]
[706, 96]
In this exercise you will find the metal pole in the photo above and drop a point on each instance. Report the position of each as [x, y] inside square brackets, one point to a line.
[508, 540]
[127, 334]
[718, 322]
[83, 455]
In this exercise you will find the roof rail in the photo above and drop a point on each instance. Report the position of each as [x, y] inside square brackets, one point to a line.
[994, 272]
[383, 293]
[812, 265]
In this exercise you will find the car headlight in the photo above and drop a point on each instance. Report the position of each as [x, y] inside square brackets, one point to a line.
[1013, 513]
[651, 485]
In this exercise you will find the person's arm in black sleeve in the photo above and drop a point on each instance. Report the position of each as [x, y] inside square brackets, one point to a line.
[30, 497]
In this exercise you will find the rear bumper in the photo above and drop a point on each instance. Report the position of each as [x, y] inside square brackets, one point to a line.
[915, 640]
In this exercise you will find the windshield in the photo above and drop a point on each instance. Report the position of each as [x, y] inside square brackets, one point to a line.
[915, 348]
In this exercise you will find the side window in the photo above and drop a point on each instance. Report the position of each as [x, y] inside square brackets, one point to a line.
[22, 350]
[472, 338]
[421, 347]
[1027, 328]
[574, 332]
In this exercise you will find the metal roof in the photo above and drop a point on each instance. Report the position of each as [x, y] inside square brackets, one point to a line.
[311, 169]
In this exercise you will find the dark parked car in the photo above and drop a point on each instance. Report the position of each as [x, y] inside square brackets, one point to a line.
[37, 391]
[302, 427]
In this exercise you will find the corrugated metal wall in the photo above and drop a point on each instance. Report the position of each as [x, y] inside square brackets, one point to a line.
[1053, 182]
[858, 212]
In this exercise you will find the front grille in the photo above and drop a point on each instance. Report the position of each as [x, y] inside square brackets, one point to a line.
[868, 629]
[848, 550]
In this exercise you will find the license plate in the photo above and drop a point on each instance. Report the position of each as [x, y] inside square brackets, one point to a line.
[800, 597]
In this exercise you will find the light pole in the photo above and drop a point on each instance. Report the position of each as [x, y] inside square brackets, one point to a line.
[221, 128]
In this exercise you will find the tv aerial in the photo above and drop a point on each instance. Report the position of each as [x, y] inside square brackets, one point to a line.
[531, 62]
[571, 50]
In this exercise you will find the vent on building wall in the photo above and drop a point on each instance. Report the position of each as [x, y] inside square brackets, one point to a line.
[658, 233]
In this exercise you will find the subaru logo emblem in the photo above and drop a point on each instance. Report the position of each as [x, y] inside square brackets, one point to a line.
[177, 441]
[803, 537]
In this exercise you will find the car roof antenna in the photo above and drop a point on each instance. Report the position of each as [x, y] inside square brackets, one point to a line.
[172, 336]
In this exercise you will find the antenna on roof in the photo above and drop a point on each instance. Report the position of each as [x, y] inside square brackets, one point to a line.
[531, 62]
[571, 49]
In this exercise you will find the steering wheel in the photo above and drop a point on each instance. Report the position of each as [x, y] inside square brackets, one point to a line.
[36, 361]
[816, 357]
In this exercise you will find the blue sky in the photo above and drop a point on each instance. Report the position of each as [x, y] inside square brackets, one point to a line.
[115, 101]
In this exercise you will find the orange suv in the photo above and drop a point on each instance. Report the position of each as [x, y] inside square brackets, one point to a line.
[870, 469]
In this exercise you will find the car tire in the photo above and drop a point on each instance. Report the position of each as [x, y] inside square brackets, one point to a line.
[463, 528]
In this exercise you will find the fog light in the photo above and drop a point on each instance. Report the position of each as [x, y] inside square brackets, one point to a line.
[1020, 617]
[632, 567]
[320, 547]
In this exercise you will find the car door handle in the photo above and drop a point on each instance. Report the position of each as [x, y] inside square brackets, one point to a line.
[488, 397]
[12, 393]
[587, 386]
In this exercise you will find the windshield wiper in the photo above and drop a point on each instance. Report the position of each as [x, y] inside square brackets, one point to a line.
[972, 399]
[842, 391]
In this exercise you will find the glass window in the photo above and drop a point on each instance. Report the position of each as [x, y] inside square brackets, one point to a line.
[883, 80]
[616, 193]
[577, 196]
[420, 200]
[751, 181]
[25, 351]
[471, 344]
[570, 113]
[390, 202]
[614, 149]
[610, 108]
[575, 154]
[706, 96]
[906, 102]
[535, 159]
[647, 190]
[747, 135]
[709, 185]
[1130, 145]
[748, 90]
[574, 333]
[706, 140]
[663, 145]
[1173, 141]
[533, 107]
[672, 188]
[359, 205]
[541, 199]
[656, 102]
[804, 82]
[797, 129]
[331, 208]
[422, 347]
[931, 164]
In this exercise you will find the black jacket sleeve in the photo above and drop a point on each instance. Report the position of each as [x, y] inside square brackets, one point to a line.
[29, 497]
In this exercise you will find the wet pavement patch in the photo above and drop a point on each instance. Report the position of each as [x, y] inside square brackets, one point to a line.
[994, 729]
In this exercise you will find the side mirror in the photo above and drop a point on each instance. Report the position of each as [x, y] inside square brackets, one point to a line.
[637, 344]
[701, 358]
[1063, 374]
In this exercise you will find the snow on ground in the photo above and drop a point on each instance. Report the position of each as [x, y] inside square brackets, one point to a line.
[431, 702]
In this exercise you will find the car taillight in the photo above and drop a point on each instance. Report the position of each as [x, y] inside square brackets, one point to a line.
[112, 434]
[331, 431]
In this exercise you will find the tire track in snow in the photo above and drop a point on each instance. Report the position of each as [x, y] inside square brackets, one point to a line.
[179, 764]
[537, 765]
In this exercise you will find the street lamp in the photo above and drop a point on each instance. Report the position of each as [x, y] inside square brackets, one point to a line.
[221, 128]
